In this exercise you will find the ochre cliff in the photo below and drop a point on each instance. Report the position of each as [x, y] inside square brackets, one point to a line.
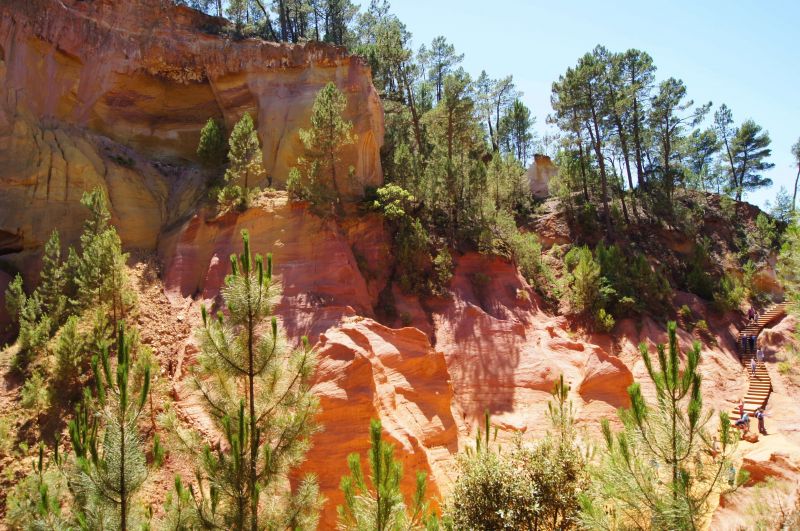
[114, 94]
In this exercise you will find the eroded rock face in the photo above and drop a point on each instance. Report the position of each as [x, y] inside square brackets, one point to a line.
[368, 371]
[145, 75]
[313, 259]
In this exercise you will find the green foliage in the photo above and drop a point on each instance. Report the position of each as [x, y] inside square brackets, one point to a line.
[179, 514]
[663, 468]
[789, 262]
[211, 148]
[35, 502]
[393, 201]
[257, 391]
[583, 283]
[604, 320]
[491, 492]
[378, 504]
[245, 164]
[556, 465]
[34, 395]
[110, 474]
[532, 487]
[15, 298]
[698, 279]
[515, 131]
[53, 282]
[71, 360]
[98, 269]
[765, 235]
[316, 177]
[729, 293]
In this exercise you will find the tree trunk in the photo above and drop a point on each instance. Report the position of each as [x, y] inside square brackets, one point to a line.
[794, 196]
[583, 170]
[123, 495]
[253, 435]
[637, 141]
[597, 143]
[626, 157]
[414, 114]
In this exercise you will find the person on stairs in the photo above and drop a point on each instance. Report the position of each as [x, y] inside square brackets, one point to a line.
[751, 314]
[760, 355]
[753, 366]
[743, 423]
[741, 408]
[760, 416]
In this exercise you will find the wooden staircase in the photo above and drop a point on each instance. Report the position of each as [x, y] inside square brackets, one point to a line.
[760, 384]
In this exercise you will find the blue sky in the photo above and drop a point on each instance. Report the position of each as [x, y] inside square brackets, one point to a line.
[747, 56]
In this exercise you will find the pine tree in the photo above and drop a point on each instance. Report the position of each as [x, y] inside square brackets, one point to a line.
[35, 502]
[245, 162]
[211, 147]
[257, 390]
[53, 281]
[34, 395]
[316, 178]
[15, 298]
[99, 275]
[661, 471]
[71, 360]
[379, 505]
[109, 477]
[750, 149]
[515, 131]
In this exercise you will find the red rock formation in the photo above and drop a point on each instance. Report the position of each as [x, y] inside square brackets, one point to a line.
[146, 75]
[369, 371]
[313, 259]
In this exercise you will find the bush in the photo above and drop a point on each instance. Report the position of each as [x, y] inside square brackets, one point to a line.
[442, 270]
[604, 320]
[584, 285]
[698, 281]
[729, 294]
[212, 148]
[71, 359]
[491, 492]
[34, 395]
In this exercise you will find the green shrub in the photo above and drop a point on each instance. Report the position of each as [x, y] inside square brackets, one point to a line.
[604, 320]
[71, 359]
[442, 270]
[584, 285]
[212, 147]
[729, 294]
[698, 280]
[685, 313]
[34, 394]
[784, 368]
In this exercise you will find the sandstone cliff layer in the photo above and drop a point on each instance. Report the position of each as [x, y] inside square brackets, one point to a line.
[114, 94]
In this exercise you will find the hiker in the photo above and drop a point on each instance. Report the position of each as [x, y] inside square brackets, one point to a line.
[760, 416]
[760, 355]
[752, 341]
[743, 423]
[741, 408]
[751, 314]
[753, 366]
